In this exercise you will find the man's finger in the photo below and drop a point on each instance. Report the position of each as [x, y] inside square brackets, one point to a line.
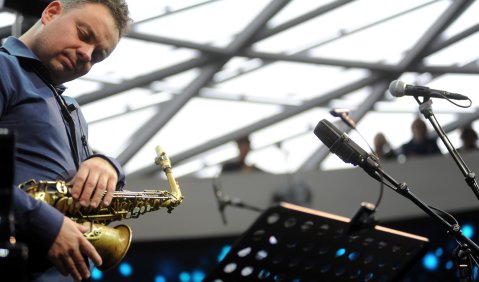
[88, 249]
[78, 182]
[71, 267]
[110, 190]
[88, 188]
[100, 190]
[82, 264]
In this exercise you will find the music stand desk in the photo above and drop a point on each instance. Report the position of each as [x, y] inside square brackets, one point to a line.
[293, 243]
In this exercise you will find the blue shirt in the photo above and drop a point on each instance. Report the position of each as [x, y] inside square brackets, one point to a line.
[44, 140]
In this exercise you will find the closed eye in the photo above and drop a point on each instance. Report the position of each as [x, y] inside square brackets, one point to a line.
[83, 35]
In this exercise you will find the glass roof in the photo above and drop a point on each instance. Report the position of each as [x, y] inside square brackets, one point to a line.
[192, 76]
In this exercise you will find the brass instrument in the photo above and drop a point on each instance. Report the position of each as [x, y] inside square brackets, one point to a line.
[111, 243]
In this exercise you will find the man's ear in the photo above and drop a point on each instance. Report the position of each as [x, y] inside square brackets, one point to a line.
[53, 9]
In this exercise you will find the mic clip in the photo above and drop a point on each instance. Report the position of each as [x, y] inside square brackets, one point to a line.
[363, 218]
[344, 115]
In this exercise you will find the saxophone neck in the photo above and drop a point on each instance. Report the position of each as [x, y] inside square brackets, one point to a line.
[164, 162]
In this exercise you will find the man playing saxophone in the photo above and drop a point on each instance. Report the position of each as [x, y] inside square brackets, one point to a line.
[51, 133]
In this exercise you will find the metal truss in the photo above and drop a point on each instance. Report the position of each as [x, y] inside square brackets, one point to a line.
[211, 60]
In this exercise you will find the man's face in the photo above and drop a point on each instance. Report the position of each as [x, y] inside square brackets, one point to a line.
[419, 131]
[71, 42]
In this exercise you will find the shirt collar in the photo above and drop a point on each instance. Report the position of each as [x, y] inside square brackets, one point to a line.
[17, 48]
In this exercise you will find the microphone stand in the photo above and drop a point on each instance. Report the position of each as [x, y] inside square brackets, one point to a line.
[467, 251]
[462, 254]
[235, 202]
[470, 177]
[225, 200]
[338, 143]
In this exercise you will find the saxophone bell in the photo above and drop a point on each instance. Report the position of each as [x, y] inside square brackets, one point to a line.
[111, 244]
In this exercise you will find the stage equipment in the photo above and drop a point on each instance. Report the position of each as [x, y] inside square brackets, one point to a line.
[224, 200]
[466, 254]
[111, 243]
[13, 254]
[398, 89]
[348, 151]
[344, 115]
[340, 144]
[292, 243]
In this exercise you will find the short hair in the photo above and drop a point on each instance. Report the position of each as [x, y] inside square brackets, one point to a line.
[118, 8]
[243, 140]
[468, 132]
[418, 122]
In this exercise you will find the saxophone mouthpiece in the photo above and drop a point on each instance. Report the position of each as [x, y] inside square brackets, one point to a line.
[161, 159]
[159, 150]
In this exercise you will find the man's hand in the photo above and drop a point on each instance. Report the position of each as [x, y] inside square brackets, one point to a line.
[95, 177]
[68, 249]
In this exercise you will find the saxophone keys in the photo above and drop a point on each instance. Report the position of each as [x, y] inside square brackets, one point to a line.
[61, 187]
[136, 211]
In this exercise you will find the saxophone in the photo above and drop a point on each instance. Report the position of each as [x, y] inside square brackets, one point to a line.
[111, 243]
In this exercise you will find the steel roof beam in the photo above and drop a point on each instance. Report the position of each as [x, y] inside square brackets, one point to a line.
[303, 53]
[206, 48]
[290, 112]
[301, 19]
[151, 128]
[142, 80]
[264, 33]
[304, 58]
[172, 12]
[419, 50]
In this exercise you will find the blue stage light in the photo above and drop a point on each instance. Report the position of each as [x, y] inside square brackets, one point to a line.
[185, 277]
[198, 276]
[224, 251]
[468, 230]
[449, 264]
[125, 269]
[430, 262]
[340, 252]
[353, 256]
[96, 274]
[160, 278]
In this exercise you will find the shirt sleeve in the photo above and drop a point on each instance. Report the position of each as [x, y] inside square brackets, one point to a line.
[6, 83]
[36, 223]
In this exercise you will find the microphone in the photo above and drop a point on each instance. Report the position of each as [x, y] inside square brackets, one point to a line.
[398, 88]
[344, 115]
[340, 144]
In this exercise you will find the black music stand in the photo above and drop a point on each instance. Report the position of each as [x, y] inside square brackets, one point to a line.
[13, 254]
[293, 243]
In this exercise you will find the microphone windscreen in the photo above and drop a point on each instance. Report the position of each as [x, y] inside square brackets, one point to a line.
[397, 88]
[327, 133]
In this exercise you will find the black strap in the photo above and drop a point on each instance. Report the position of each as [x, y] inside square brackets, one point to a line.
[70, 123]
[67, 117]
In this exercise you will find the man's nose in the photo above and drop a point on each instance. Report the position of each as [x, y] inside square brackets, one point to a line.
[85, 52]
